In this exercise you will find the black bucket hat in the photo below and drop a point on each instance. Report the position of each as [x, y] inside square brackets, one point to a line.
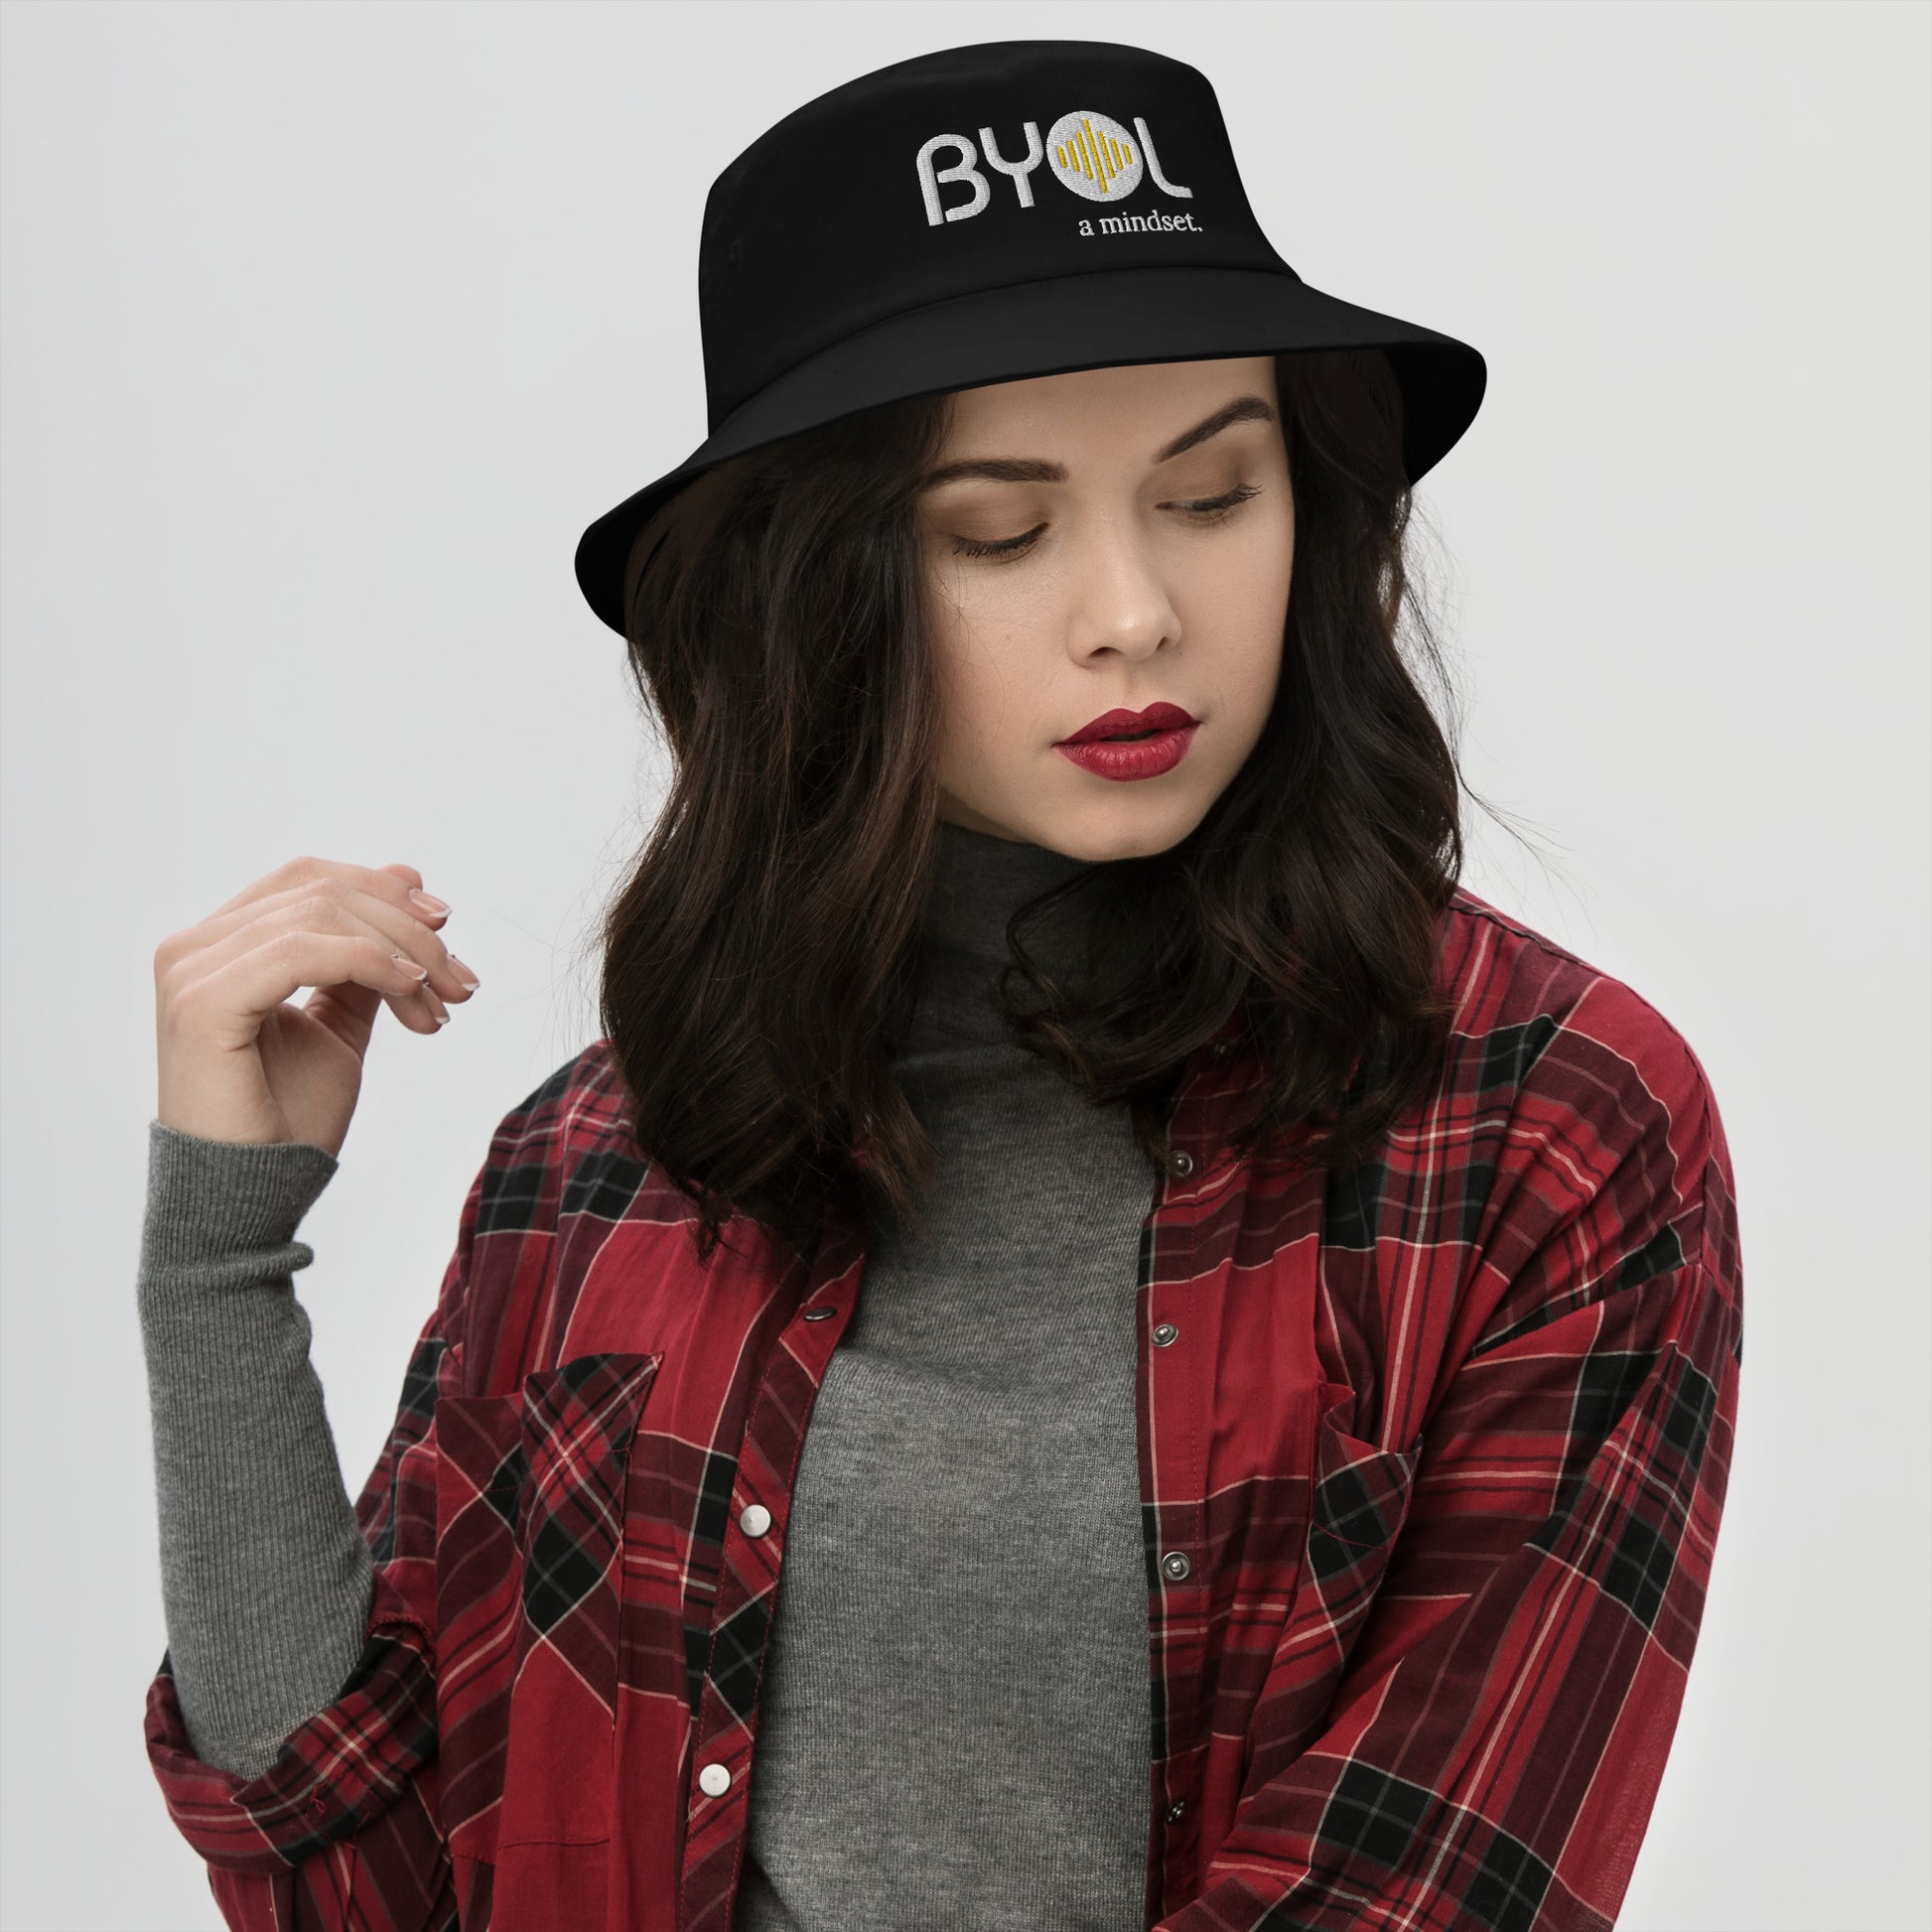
[985, 213]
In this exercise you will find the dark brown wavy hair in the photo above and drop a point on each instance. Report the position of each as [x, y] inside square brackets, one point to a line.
[760, 963]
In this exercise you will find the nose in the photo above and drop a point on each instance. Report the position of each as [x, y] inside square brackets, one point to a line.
[1119, 600]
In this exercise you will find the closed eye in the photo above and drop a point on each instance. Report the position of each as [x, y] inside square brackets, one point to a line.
[1204, 510]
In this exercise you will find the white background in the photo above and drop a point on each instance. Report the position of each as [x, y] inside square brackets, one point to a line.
[327, 329]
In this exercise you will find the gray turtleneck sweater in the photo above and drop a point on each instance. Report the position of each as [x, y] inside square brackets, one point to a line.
[954, 1724]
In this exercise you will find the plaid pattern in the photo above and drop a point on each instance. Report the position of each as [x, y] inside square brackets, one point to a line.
[1432, 1466]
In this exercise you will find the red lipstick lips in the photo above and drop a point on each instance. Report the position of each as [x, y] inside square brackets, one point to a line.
[1118, 724]
[1109, 747]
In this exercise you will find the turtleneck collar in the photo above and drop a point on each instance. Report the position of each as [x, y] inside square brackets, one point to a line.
[979, 881]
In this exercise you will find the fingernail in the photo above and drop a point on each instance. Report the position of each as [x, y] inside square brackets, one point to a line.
[465, 977]
[428, 902]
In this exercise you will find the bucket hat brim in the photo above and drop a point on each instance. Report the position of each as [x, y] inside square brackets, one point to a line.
[1097, 320]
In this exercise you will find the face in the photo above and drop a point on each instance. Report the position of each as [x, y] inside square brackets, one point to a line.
[1107, 540]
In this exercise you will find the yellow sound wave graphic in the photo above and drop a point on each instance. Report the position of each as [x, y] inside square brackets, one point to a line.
[1097, 156]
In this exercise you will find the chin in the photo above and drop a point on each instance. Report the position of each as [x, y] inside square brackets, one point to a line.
[1124, 828]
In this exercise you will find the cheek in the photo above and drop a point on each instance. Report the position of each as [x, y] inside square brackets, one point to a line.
[986, 632]
[1237, 591]
[1269, 561]
[980, 681]
[1236, 610]
[984, 607]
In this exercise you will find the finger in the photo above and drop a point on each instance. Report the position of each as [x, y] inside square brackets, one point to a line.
[392, 881]
[349, 1011]
[225, 1005]
[326, 903]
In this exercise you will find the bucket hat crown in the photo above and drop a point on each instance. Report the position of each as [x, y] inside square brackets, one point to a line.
[987, 213]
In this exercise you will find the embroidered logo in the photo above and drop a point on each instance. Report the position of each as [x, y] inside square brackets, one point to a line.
[1091, 154]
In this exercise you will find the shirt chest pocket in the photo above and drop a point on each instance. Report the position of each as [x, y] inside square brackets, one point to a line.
[1360, 1501]
[529, 1537]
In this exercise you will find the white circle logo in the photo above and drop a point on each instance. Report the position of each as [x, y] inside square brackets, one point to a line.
[1094, 155]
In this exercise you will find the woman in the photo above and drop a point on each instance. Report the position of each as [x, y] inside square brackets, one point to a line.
[1098, 1342]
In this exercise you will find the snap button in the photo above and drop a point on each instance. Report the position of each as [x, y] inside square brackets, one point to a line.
[714, 1780]
[756, 1520]
[819, 1314]
[1174, 1564]
[1164, 1333]
[1182, 1163]
[1174, 1810]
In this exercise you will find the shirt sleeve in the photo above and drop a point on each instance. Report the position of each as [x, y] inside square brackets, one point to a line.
[350, 1805]
[1492, 1752]
[264, 1570]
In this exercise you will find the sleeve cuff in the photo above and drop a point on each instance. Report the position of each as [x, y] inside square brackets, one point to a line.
[209, 1198]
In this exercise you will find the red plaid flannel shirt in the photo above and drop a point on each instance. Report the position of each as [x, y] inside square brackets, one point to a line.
[1432, 1457]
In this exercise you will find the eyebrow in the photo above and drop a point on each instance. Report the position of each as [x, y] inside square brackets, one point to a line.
[1243, 409]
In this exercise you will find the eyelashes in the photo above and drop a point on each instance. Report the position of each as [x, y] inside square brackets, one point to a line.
[1203, 511]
